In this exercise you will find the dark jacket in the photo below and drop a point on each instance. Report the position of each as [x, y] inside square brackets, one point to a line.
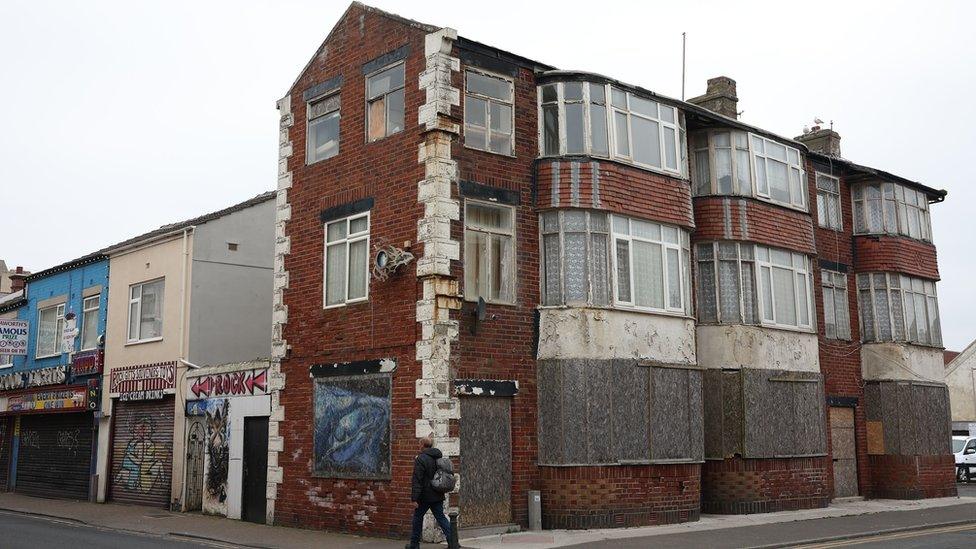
[424, 468]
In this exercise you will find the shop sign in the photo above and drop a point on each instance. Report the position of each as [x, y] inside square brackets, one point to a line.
[86, 363]
[143, 382]
[53, 375]
[94, 393]
[13, 337]
[70, 399]
[69, 333]
[242, 383]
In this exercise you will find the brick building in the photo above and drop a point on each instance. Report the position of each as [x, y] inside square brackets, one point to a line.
[578, 286]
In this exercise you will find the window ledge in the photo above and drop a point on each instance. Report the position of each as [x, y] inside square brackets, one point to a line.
[758, 198]
[912, 343]
[809, 331]
[616, 309]
[487, 302]
[897, 235]
[141, 341]
[47, 356]
[506, 155]
[345, 304]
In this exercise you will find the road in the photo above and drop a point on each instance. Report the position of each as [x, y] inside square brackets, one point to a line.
[31, 532]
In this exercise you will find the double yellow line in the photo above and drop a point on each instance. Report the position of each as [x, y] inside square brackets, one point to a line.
[892, 537]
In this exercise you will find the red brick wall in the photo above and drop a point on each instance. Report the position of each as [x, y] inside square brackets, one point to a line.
[617, 496]
[764, 223]
[742, 486]
[622, 189]
[385, 326]
[900, 254]
[912, 477]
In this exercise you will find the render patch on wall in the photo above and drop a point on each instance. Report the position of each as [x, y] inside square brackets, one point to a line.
[352, 427]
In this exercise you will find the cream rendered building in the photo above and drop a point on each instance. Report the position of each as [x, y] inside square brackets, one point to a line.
[960, 376]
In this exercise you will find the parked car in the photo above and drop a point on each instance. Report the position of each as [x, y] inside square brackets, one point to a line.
[964, 450]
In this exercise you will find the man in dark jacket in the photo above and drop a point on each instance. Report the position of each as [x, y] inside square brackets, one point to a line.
[423, 494]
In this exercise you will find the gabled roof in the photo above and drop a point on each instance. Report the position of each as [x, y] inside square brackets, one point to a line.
[12, 301]
[961, 358]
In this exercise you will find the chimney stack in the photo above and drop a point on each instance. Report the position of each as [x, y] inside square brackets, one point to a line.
[719, 97]
[17, 279]
[821, 140]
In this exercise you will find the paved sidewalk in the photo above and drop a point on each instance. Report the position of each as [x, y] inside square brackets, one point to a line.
[962, 508]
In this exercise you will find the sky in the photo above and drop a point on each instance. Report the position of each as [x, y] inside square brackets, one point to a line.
[119, 117]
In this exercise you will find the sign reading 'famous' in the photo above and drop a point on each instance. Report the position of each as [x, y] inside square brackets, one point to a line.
[13, 337]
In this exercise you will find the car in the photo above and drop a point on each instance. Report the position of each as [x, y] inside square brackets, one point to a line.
[964, 450]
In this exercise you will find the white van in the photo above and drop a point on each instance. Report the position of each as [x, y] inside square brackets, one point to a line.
[964, 450]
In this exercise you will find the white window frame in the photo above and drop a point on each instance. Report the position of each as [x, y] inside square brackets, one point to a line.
[59, 327]
[85, 311]
[790, 167]
[745, 255]
[823, 217]
[832, 283]
[764, 263]
[895, 210]
[386, 104]
[591, 233]
[309, 146]
[905, 289]
[488, 101]
[513, 269]
[129, 338]
[682, 247]
[6, 361]
[347, 241]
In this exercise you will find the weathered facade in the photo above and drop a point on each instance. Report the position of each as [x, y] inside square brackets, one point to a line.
[960, 376]
[579, 286]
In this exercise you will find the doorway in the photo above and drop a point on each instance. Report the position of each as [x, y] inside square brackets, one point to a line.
[196, 443]
[486, 461]
[255, 468]
[844, 452]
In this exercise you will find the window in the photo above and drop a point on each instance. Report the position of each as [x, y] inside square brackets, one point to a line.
[576, 263]
[489, 252]
[576, 119]
[323, 128]
[837, 316]
[895, 307]
[384, 102]
[146, 311]
[779, 174]
[488, 113]
[651, 264]
[828, 202]
[89, 322]
[346, 260]
[741, 283]
[50, 324]
[889, 208]
[6, 361]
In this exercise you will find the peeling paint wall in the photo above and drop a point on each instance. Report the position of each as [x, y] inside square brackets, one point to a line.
[961, 379]
[736, 346]
[566, 333]
[881, 361]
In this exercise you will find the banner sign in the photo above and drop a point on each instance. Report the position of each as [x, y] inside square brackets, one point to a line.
[53, 375]
[70, 399]
[243, 383]
[87, 363]
[94, 393]
[143, 382]
[13, 337]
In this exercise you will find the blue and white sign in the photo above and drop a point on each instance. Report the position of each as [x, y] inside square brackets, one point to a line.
[13, 337]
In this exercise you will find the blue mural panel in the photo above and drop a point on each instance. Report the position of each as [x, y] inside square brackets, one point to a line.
[352, 427]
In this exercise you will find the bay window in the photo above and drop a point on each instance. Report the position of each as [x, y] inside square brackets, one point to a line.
[489, 252]
[576, 118]
[896, 307]
[651, 265]
[488, 113]
[50, 324]
[346, 260]
[837, 317]
[575, 259]
[890, 208]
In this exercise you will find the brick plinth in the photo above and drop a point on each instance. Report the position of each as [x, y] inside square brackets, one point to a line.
[912, 477]
[738, 486]
[619, 496]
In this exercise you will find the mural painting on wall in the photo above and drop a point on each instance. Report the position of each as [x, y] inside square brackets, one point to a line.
[143, 465]
[352, 427]
[218, 450]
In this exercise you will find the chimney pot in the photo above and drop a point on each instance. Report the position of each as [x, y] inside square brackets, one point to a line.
[821, 140]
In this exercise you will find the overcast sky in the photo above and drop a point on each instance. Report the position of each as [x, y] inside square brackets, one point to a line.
[118, 117]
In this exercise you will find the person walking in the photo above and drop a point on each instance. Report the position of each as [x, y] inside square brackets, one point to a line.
[425, 496]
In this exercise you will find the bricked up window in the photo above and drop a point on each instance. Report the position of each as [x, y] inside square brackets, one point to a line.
[895, 307]
[837, 316]
[488, 113]
[323, 128]
[828, 202]
[346, 260]
[651, 266]
[384, 102]
[576, 265]
[489, 252]
[889, 208]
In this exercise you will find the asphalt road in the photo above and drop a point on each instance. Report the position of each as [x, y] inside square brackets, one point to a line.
[30, 532]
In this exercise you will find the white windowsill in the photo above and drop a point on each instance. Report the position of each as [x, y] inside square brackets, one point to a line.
[141, 341]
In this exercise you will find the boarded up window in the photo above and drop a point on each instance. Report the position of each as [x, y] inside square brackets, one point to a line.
[352, 427]
[910, 418]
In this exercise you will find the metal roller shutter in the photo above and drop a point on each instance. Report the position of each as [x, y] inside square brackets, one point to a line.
[54, 459]
[5, 442]
[142, 452]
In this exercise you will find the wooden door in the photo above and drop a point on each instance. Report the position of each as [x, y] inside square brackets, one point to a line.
[254, 497]
[196, 443]
[844, 452]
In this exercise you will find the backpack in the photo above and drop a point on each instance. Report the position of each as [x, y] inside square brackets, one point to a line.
[444, 480]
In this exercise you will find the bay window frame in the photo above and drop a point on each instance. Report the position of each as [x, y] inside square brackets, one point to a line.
[591, 233]
[683, 251]
[894, 208]
[906, 290]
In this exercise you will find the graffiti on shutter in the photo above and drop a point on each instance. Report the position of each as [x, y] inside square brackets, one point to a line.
[142, 452]
[55, 455]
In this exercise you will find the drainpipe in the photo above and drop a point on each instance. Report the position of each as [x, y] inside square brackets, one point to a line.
[179, 420]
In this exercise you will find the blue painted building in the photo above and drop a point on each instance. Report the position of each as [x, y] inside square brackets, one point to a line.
[49, 399]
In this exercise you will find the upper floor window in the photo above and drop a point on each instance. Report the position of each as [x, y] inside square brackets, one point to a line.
[741, 283]
[323, 128]
[837, 315]
[828, 202]
[891, 208]
[738, 163]
[650, 265]
[346, 260]
[89, 322]
[384, 102]
[577, 119]
[489, 252]
[488, 113]
[576, 264]
[895, 307]
[146, 311]
[50, 325]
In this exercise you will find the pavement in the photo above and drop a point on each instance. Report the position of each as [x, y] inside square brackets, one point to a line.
[43, 522]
